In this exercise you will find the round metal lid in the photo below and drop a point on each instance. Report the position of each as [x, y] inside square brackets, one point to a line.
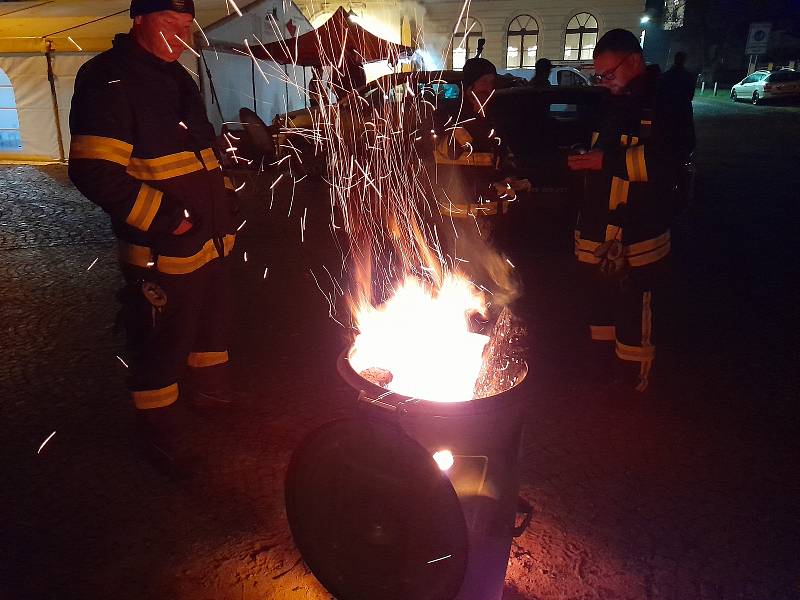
[373, 516]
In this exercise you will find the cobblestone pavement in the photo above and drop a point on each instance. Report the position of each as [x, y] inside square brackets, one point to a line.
[689, 493]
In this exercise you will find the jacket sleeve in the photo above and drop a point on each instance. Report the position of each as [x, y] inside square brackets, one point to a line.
[101, 126]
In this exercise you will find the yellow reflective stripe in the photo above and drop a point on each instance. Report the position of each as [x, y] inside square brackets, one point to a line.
[155, 398]
[585, 256]
[647, 318]
[144, 210]
[634, 141]
[476, 159]
[210, 159]
[228, 183]
[613, 232]
[623, 139]
[619, 192]
[595, 137]
[164, 167]
[635, 353]
[584, 249]
[100, 148]
[142, 256]
[603, 333]
[645, 122]
[648, 245]
[649, 257]
[635, 162]
[207, 359]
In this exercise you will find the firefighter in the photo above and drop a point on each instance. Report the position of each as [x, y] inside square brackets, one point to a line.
[143, 150]
[622, 237]
[472, 165]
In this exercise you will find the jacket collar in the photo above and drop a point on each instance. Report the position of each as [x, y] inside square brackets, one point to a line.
[125, 43]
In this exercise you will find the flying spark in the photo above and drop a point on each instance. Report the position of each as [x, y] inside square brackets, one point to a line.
[93, 263]
[49, 437]
[166, 42]
[124, 364]
[76, 43]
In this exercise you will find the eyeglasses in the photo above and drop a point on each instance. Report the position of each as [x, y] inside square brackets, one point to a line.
[609, 75]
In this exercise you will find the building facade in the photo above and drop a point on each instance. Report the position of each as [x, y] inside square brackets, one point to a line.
[517, 32]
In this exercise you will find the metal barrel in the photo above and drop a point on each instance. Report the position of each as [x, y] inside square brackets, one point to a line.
[484, 436]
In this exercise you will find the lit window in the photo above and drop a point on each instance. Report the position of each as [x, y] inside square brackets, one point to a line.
[10, 140]
[581, 37]
[523, 42]
[465, 41]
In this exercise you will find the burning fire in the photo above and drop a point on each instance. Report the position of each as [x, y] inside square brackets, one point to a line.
[423, 339]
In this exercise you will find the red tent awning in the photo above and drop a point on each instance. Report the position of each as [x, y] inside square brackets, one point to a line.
[338, 41]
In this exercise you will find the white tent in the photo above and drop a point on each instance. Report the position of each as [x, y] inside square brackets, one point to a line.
[43, 43]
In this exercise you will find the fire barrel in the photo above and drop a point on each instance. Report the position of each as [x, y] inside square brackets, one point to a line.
[410, 499]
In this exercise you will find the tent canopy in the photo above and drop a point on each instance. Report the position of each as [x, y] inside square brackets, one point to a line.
[34, 25]
[337, 39]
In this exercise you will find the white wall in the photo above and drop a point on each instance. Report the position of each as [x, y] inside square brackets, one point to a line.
[436, 18]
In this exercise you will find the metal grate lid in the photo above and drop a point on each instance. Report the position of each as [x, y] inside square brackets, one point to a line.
[373, 516]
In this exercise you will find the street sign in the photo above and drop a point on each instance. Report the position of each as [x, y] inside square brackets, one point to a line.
[758, 38]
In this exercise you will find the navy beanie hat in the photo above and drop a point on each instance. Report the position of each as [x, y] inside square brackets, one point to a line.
[144, 7]
[474, 69]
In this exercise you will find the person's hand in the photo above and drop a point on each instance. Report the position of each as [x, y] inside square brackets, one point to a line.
[185, 226]
[462, 136]
[520, 185]
[591, 161]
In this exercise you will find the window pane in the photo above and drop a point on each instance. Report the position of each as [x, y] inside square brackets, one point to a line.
[7, 98]
[591, 23]
[513, 51]
[459, 58]
[529, 58]
[10, 140]
[573, 23]
[571, 46]
[589, 42]
[9, 119]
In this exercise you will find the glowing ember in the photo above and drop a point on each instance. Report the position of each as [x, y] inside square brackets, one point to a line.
[423, 339]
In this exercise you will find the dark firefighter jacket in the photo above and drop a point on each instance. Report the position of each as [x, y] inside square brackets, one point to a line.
[142, 149]
[646, 137]
[465, 174]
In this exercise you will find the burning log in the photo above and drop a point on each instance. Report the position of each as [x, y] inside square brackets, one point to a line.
[504, 356]
[378, 376]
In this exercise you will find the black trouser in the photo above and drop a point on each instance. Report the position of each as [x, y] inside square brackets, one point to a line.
[177, 326]
[622, 311]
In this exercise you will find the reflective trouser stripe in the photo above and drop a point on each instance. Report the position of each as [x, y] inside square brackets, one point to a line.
[100, 148]
[636, 165]
[603, 333]
[207, 359]
[595, 137]
[145, 399]
[144, 210]
[635, 353]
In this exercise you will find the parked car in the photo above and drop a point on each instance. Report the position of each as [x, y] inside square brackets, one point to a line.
[767, 85]
[559, 76]
[540, 123]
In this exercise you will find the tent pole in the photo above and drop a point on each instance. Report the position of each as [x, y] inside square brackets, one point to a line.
[52, 79]
[253, 80]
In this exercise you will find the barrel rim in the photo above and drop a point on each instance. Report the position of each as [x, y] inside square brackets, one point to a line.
[407, 404]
